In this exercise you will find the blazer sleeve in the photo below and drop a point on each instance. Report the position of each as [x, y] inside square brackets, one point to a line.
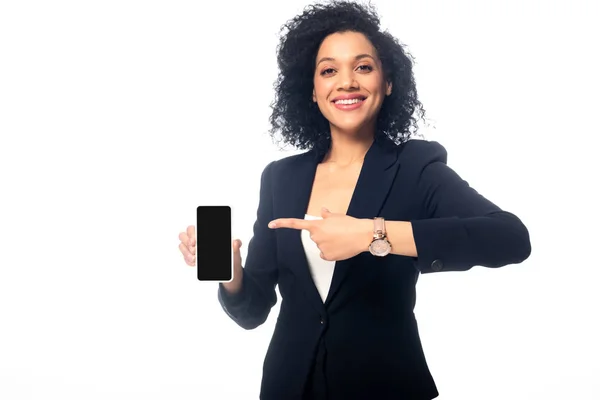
[250, 307]
[461, 228]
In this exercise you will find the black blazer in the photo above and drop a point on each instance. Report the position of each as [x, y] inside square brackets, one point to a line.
[364, 338]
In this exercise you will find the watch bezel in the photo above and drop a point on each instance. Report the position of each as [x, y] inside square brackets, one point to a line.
[384, 253]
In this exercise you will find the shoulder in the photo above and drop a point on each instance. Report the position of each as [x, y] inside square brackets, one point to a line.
[418, 153]
[289, 163]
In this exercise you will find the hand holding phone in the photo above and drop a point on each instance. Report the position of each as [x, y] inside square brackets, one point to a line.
[188, 245]
[211, 249]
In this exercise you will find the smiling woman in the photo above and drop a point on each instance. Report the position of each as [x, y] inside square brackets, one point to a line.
[346, 228]
[342, 40]
[349, 77]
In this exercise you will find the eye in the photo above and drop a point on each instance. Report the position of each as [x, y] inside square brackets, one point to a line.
[327, 71]
[366, 68]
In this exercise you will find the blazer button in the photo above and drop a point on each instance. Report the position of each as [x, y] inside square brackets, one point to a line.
[437, 265]
[322, 321]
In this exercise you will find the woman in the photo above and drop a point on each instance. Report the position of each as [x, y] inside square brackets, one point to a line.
[346, 327]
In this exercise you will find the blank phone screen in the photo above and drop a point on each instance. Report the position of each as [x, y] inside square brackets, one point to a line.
[213, 243]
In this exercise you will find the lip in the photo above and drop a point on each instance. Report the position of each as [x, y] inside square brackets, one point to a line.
[349, 97]
[349, 107]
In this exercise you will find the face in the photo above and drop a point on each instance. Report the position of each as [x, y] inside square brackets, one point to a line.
[349, 85]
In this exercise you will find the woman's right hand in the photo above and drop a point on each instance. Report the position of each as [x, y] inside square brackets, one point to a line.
[188, 250]
[188, 245]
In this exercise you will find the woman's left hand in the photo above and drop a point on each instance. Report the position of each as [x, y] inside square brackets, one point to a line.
[338, 236]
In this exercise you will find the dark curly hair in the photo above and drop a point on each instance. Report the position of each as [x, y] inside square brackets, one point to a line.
[296, 117]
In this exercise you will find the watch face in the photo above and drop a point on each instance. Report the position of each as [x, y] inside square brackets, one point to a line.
[380, 247]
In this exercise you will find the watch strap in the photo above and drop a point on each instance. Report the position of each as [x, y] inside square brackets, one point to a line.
[379, 228]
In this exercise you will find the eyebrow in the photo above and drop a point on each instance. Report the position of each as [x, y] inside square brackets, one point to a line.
[358, 57]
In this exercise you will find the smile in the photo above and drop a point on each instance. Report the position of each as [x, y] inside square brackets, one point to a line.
[349, 104]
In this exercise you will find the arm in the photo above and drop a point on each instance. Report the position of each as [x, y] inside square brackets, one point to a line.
[250, 306]
[461, 228]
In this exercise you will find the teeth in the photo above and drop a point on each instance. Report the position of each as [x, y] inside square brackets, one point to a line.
[353, 101]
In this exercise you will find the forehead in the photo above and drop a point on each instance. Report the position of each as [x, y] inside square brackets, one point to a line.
[346, 45]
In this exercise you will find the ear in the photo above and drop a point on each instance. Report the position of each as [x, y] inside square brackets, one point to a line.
[314, 96]
[389, 89]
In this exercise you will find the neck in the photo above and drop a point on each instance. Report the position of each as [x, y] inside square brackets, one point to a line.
[348, 148]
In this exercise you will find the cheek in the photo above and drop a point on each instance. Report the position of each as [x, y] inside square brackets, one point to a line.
[322, 89]
[374, 83]
[318, 93]
[321, 98]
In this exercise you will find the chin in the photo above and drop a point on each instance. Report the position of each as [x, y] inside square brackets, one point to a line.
[351, 131]
[349, 124]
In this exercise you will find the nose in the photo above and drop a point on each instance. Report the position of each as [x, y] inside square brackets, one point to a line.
[348, 80]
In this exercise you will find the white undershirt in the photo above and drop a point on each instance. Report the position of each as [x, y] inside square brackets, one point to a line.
[320, 270]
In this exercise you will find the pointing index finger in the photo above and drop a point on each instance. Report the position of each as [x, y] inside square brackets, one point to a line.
[292, 223]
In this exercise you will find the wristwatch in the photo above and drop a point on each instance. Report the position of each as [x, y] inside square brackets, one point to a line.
[380, 246]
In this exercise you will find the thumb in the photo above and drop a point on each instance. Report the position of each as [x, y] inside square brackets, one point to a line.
[237, 256]
[325, 212]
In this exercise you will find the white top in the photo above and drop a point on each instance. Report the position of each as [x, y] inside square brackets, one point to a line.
[320, 270]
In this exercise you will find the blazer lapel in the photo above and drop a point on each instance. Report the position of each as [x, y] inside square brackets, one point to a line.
[296, 192]
[374, 183]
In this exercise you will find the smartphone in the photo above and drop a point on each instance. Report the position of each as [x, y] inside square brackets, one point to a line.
[214, 254]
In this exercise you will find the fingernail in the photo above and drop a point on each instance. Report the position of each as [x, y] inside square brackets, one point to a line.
[272, 225]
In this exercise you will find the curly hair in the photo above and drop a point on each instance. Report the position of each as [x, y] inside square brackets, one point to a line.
[296, 118]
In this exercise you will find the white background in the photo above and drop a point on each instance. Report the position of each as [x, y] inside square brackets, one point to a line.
[118, 118]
